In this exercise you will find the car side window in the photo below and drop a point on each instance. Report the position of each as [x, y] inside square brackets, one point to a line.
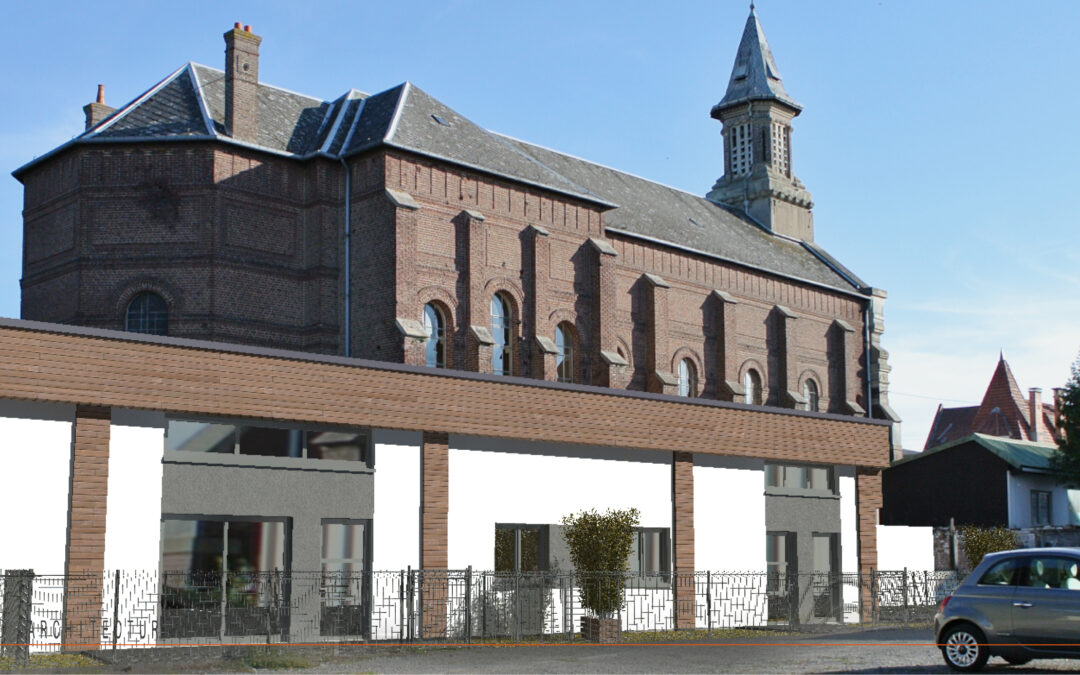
[1052, 572]
[1003, 573]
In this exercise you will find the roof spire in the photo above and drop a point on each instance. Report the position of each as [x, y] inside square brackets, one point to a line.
[755, 75]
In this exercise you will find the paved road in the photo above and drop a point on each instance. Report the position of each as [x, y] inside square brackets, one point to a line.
[882, 651]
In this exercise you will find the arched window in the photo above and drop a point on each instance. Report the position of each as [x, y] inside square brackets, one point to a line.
[147, 313]
[687, 378]
[500, 331]
[810, 393]
[435, 345]
[752, 384]
[565, 366]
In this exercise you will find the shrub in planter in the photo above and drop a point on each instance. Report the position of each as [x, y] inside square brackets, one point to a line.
[600, 545]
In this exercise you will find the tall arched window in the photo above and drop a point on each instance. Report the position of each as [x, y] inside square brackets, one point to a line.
[810, 393]
[435, 345]
[565, 366]
[752, 384]
[500, 331]
[687, 378]
[147, 313]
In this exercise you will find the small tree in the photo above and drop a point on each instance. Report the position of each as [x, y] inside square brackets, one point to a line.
[599, 546]
[1066, 461]
[978, 541]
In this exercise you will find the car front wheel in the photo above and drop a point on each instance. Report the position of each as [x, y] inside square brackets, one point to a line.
[964, 649]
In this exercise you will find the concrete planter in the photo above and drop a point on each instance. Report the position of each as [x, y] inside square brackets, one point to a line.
[603, 631]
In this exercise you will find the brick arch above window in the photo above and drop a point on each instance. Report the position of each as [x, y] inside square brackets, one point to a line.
[440, 295]
[763, 377]
[124, 293]
[511, 290]
[688, 354]
[811, 375]
[622, 347]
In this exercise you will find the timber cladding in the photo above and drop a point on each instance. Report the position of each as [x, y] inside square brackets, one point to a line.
[103, 368]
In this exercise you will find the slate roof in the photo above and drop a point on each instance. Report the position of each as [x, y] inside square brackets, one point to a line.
[189, 105]
[755, 75]
[1021, 455]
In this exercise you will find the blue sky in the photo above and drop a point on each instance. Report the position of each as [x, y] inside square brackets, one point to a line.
[938, 139]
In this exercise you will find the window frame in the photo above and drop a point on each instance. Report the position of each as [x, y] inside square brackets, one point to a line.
[638, 553]
[365, 574]
[149, 318]
[753, 384]
[543, 547]
[687, 374]
[435, 332]
[502, 334]
[782, 489]
[567, 353]
[812, 393]
[1036, 507]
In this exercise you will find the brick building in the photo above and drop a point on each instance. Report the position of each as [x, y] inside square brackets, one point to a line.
[390, 228]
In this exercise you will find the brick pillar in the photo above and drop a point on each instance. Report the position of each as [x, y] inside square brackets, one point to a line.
[790, 396]
[658, 354]
[846, 347]
[608, 368]
[478, 339]
[682, 534]
[87, 495]
[434, 507]
[728, 388]
[539, 332]
[867, 503]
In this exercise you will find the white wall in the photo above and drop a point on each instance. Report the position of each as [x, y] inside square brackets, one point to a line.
[849, 521]
[35, 461]
[133, 510]
[506, 481]
[729, 514]
[900, 547]
[396, 519]
[1019, 491]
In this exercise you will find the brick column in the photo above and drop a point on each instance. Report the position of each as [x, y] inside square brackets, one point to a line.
[658, 355]
[867, 503]
[682, 535]
[790, 396]
[609, 369]
[85, 551]
[846, 341]
[406, 311]
[538, 331]
[478, 339]
[728, 388]
[434, 507]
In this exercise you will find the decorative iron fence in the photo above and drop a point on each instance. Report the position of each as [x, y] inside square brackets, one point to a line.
[138, 609]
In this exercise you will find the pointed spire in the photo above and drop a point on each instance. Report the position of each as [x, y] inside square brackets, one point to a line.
[755, 75]
[1003, 408]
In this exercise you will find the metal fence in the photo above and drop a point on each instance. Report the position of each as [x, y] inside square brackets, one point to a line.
[138, 609]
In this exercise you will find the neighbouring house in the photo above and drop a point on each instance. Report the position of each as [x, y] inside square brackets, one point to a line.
[985, 465]
[268, 332]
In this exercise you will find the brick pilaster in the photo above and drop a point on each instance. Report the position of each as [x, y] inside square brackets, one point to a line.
[538, 329]
[606, 371]
[478, 343]
[85, 551]
[846, 345]
[790, 396]
[434, 509]
[682, 536]
[728, 388]
[658, 354]
[867, 503]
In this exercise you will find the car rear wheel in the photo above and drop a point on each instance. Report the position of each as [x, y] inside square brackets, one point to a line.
[963, 648]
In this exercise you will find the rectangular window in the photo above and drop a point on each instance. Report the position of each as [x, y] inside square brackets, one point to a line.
[521, 548]
[652, 551]
[264, 441]
[223, 576]
[796, 477]
[1040, 507]
[346, 585]
[825, 583]
[780, 567]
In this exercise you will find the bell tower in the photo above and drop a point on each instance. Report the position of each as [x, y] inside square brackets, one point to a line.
[756, 114]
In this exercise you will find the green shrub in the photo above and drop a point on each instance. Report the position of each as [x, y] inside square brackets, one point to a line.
[600, 545]
[978, 541]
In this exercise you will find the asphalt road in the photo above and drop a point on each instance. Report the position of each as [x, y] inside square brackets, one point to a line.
[881, 651]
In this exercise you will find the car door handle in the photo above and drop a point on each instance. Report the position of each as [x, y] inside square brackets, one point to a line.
[1024, 605]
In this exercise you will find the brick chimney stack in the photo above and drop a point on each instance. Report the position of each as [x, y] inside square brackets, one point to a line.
[242, 83]
[1035, 410]
[97, 111]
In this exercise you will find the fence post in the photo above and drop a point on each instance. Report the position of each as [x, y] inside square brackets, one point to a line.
[708, 601]
[410, 589]
[17, 629]
[873, 596]
[618, 607]
[116, 609]
[517, 607]
[483, 605]
[468, 604]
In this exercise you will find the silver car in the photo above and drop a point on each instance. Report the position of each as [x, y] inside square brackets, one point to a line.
[1019, 605]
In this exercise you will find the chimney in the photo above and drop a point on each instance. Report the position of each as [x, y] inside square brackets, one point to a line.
[1035, 410]
[242, 83]
[97, 111]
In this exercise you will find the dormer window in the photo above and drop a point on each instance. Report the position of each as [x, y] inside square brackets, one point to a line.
[741, 150]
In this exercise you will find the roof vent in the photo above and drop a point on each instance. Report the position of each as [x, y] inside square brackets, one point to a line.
[694, 222]
[440, 120]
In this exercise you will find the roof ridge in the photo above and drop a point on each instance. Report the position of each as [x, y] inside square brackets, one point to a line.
[268, 86]
[391, 129]
[203, 108]
[126, 109]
